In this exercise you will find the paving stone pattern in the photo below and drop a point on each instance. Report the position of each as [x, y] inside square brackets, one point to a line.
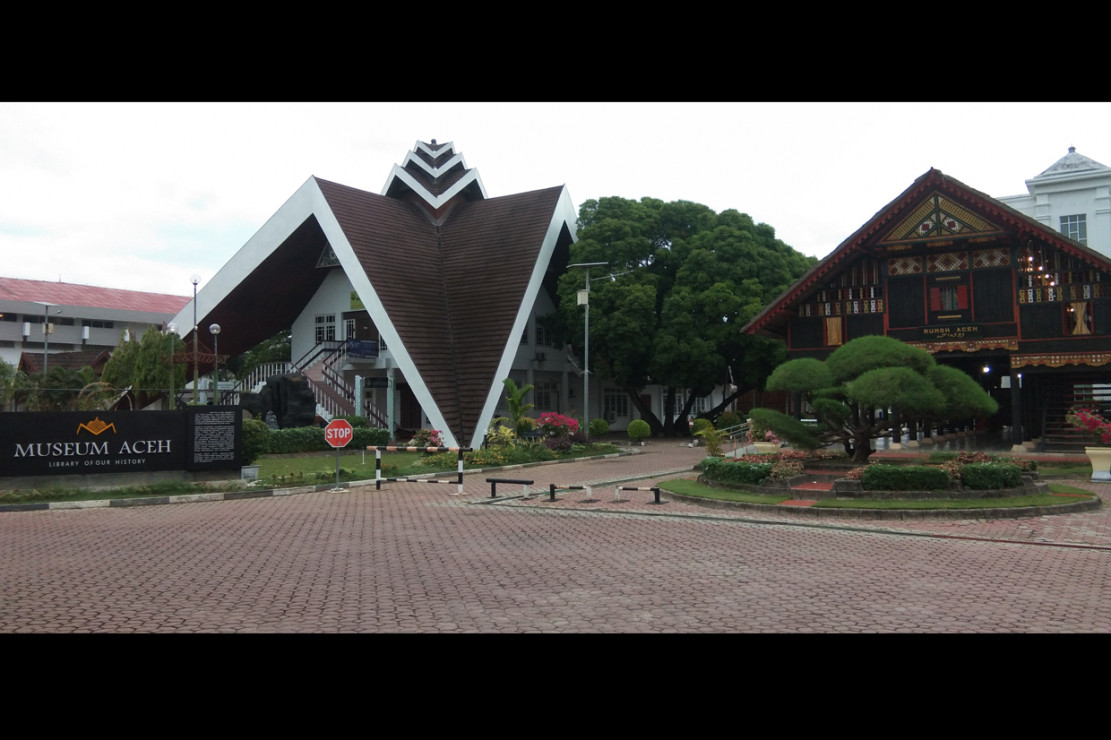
[415, 558]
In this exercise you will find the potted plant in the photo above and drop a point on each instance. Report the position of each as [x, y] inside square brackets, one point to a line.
[764, 440]
[1099, 429]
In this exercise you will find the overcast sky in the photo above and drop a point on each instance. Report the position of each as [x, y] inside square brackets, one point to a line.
[144, 195]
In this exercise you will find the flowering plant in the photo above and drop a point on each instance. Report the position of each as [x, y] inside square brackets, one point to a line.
[769, 436]
[427, 438]
[557, 424]
[1091, 422]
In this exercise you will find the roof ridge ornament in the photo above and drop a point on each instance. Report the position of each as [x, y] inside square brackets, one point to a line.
[434, 163]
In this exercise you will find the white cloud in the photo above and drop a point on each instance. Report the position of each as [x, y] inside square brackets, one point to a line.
[142, 195]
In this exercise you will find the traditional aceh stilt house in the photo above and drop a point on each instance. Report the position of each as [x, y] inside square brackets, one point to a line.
[427, 292]
[983, 287]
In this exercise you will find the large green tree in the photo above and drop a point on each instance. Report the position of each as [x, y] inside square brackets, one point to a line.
[275, 349]
[680, 283]
[145, 365]
[853, 392]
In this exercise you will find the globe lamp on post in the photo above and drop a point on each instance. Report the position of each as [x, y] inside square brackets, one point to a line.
[215, 329]
[196, 374]
[171, 330]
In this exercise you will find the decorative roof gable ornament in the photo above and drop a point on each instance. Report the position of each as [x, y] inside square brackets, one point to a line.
[938, 216]
[433, 175]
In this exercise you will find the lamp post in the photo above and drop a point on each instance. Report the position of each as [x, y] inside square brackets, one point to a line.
[46, 333]
[196, 376]
[215, 329]
[584, 300]
[171, 329]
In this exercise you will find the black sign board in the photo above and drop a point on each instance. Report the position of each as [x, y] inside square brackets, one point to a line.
[91, 442]
[214, 437]
[943, 332]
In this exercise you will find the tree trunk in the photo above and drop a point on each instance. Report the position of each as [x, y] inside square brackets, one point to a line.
[681, 422]
[669, 412]
[718, 410]
[645, 411]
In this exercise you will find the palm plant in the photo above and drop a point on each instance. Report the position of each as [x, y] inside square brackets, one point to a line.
[518, 419]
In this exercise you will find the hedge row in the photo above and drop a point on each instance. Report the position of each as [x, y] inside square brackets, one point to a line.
[990, 476]
[878, 477]
[311, 439]
[721, 470]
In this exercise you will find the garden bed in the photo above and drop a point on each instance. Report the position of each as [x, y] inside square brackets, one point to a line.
[969, 476]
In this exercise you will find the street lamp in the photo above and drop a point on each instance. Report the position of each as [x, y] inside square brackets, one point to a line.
[46, 332]
[584, 300]
[171, 329]
[196, 376]
[215, 329]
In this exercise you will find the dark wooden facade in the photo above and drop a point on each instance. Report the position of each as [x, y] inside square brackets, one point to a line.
[978, 284]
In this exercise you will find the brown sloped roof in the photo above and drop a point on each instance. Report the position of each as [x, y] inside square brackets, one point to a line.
[271, 297]
[772, 320]
[452, 292]
[31, 362]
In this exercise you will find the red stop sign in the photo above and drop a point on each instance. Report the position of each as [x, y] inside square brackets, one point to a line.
[338, 433]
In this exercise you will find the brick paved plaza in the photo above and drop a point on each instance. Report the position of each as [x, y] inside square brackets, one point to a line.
[415, 558]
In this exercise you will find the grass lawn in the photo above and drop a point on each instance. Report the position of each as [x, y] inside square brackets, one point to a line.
[60, 493]
[689, 487]
[285, 470]
[274, 471]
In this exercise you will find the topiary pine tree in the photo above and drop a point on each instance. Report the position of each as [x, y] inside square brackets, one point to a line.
[852, 391]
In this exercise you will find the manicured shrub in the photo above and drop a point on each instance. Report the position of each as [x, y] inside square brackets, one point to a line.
[599, 427]
[311, 439]
[990, 476]
[878, 477]
[729, 419]
[369, 437]
[723, 470]
[700, 425]
[256, 440]
[639, 429]
[784, 426]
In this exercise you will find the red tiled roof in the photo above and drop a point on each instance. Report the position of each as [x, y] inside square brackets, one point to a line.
[71, 294]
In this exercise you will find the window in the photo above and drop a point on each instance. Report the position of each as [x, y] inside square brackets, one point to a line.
[98, 324]
[615, 405]
[325, 328]
[544, 338]
[949, 298]
[1075, 227]
[1078, 318]
[546, 395]
[699, 405]
[349, 328]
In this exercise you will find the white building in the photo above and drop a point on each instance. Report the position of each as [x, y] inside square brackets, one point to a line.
[1074, 197]
[78, 318]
